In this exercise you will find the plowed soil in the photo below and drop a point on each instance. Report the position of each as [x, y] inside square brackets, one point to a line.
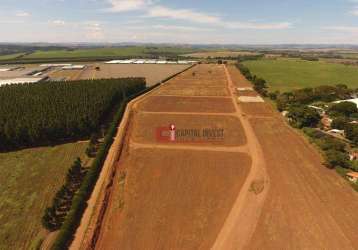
[145, 125]
[264, 187]
[187, 104]
[174, 199]
[308, 206]
[258, 109]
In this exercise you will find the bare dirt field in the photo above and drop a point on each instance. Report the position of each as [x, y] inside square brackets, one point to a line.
[65, 74]
[239, 79]
[153, 73]
[145, 125]
[257, 109]
[199, 81]
[247, 93]
[308, 206]
[180, 203]
[175, 196]
[186, 104]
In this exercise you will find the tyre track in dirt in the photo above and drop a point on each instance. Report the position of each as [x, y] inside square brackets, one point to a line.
[241, 222]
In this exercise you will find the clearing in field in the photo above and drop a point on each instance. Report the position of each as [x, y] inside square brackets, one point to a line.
[29, 179]
[173, 199]
[186, 104]
[287, 75]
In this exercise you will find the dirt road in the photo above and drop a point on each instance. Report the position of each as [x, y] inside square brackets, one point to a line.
[261, 187]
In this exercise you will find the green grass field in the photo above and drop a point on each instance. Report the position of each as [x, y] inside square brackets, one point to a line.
[106, 52]
[11, 56]
[29, 179]
[289, 74]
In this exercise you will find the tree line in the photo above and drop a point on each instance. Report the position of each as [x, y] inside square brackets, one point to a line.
[259, 84]
[49, 112]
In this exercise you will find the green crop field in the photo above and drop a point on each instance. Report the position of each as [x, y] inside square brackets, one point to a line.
[107, 52]
[289, 74]
[11, 56]
[29, 180]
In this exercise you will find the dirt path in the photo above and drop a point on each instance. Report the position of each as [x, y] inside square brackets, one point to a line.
[245, 213]
[240, 149]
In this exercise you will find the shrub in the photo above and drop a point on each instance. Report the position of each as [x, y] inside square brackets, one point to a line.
[339, 123]
[336, 158]
[303, 116]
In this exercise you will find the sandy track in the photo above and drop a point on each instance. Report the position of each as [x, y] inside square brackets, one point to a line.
[241, 222]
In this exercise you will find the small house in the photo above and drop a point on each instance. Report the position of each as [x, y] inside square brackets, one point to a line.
[353, 176]
[353, 155]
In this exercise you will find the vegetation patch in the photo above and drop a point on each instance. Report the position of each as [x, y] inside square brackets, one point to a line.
[29, 179]
[48, 112]
[290, 74]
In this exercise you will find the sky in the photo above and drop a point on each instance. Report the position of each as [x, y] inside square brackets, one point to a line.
[180, 21]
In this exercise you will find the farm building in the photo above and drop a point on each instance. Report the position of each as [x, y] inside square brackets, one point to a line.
[327, 122]
[6, 68]
[353, 155]
[20, 80]
[151, 61]
[336, 131]
[349, 100]
[353, 176]
[73, 67]
[55, 65]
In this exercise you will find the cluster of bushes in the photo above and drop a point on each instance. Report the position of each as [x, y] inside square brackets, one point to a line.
[303, 116]
[61, 204]
[344, 113]
[335, 152]
[91, 149]
[259, 84]
[49, 112]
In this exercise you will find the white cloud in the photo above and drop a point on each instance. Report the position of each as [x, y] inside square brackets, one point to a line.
[94, 31]
[152, 10]
[258, 26]
[182, 14]
[58, 22]
[179, 28]
[128, 5]
[22, 14]
[351, 29]
[354, 11]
